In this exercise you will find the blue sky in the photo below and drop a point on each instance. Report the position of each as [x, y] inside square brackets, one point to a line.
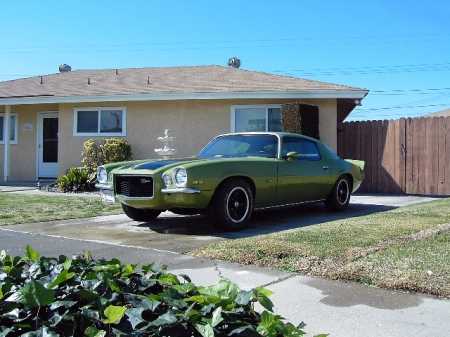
[399, 50]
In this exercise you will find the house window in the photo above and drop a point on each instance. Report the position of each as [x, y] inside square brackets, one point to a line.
[256, 118]
[13, 128]
[100, 122]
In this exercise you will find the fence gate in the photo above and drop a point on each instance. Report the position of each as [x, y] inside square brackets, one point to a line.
[404, 156]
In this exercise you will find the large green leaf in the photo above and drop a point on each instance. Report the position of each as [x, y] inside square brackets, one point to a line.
[140, 301]
[114, 313]
[205, 330]
[62, 277]
[135, 316]
[32, 295]
[31, 253]
[290, 330]
[226, 291]
[217, 317]
[268, 324]
[92, 331]
[244, 297]
[261, 297]
[163, 320]
[148, 268]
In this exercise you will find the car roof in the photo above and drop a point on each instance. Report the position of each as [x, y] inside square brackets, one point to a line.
[278, 134]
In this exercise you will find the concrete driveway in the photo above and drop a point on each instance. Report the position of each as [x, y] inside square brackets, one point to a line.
[181, 234]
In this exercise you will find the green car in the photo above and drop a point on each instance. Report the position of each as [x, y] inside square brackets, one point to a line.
[233, 175]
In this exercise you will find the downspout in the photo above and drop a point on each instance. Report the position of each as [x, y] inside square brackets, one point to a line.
[7, 128]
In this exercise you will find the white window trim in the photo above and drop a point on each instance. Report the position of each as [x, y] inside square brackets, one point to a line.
[257, 106]
[16, 127]
[100, 134]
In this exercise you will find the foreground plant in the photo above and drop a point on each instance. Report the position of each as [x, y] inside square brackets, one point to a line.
[79, 296]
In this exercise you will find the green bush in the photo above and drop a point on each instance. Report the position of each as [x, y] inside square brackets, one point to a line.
[80, 296]
[104, 151]
[76, 180]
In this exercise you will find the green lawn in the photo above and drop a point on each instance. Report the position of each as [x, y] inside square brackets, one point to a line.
[405, 248]
[22, 208]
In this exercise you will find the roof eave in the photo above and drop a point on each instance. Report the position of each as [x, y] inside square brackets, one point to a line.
[311, 94]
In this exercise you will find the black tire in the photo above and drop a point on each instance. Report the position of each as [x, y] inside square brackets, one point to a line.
[232, 205]
[339, 196]
[140, 214]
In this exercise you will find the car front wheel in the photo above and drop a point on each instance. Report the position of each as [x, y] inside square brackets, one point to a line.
[232, 205]
[140, 214]
[339, 197]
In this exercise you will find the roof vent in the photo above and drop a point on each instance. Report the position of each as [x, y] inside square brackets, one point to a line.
[234, 62]
[64, 68]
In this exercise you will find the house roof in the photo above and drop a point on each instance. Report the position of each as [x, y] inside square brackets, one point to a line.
[170, 83]
[444, 113]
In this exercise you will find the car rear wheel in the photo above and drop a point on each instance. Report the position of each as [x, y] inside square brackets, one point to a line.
[339, 197]
[140, 214]
[232, 205]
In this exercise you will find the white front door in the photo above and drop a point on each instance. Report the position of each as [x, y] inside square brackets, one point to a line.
[47, 145]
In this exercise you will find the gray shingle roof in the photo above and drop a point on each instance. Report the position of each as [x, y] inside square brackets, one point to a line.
[443, 113]
[169, 80]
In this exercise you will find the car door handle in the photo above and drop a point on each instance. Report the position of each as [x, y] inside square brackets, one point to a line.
[326, 168]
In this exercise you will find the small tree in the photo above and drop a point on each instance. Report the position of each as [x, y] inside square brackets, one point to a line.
[104, 151]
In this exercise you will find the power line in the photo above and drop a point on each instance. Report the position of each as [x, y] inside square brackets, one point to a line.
[369, 70]
[239, 44]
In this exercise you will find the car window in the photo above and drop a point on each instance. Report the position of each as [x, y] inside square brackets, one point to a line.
[242, 146]
[307, 150]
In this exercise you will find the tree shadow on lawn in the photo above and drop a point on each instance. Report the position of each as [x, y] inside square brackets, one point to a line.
[264, 221]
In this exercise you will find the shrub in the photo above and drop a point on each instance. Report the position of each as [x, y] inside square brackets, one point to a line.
[76, 180]
[104, 151]
[79, 296]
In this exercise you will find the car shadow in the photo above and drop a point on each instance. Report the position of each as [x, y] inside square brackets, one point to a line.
[264, 221]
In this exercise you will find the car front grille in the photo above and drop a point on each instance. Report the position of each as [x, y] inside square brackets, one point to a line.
[134, 186]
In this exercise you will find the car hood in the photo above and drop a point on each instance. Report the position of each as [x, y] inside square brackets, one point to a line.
[156, 164]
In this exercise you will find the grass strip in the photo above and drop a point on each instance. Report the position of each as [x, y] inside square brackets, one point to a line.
[21, 208]
[405, 248]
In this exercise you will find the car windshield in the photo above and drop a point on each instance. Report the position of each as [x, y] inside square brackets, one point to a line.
[242, 146]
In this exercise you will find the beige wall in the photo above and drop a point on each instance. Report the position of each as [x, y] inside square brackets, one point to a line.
[23, 155]
[193, 123]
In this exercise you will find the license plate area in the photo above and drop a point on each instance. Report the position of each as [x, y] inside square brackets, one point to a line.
[107, 196]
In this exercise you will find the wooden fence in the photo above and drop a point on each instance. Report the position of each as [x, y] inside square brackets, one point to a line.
[405, 156]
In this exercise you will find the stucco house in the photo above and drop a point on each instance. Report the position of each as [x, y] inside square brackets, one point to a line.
[51, 116]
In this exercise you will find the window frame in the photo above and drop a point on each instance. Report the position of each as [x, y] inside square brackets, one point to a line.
[252, 106]
[16, 128]
[316, 156]
[98, 133]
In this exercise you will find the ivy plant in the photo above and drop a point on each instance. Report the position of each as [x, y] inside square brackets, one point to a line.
[80, 296]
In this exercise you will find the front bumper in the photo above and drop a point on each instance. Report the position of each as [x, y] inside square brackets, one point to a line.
[104, 187]
[180, 191]
[163, 190]
[166, 198]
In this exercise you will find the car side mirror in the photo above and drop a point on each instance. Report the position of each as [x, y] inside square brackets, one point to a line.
[291, 156]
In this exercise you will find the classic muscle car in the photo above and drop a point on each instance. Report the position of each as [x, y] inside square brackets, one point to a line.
[231, 176]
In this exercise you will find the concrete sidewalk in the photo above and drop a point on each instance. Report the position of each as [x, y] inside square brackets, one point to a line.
[337, 308]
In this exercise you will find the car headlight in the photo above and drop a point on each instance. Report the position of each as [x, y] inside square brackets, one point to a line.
[167, 179]
[180, 177]
[101, 175]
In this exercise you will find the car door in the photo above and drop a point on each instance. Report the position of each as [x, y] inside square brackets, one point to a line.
[303, 178]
